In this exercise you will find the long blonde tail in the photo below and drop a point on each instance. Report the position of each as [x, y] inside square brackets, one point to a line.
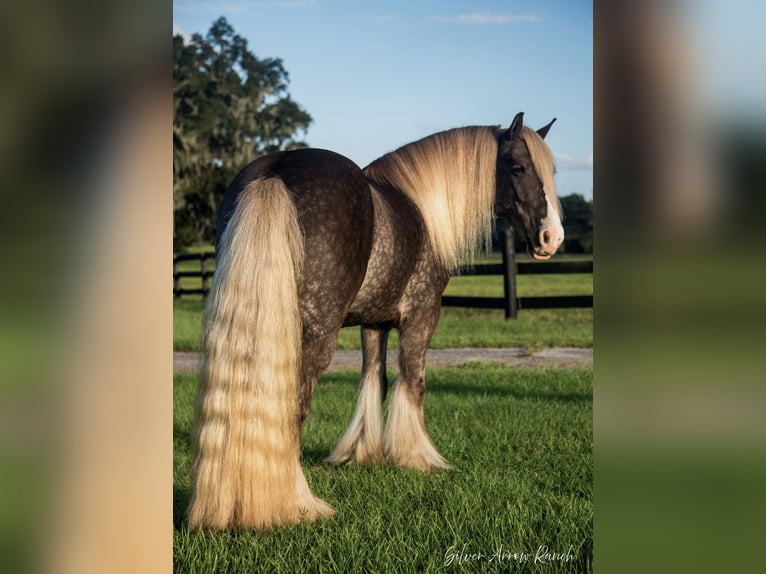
[246, 471]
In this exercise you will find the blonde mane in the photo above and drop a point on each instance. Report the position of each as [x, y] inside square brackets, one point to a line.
[542, 159]
[451, 178]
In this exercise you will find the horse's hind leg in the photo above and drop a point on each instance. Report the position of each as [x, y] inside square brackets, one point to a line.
[406, 440]
[363, 440]
[317, 353]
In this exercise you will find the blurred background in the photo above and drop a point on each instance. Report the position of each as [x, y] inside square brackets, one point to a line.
[680, 134]
[85, 305]
[85, 313]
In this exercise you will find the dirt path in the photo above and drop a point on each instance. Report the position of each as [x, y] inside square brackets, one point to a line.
[558, 357]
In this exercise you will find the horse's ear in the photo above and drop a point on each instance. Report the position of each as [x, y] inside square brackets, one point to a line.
[515, 130]
[543, 131]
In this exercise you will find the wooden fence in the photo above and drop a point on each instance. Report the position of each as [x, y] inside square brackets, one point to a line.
[509, 269]
[205, 273]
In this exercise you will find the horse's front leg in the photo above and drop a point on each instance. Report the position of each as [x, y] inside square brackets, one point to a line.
[406, 440]
[363, 440]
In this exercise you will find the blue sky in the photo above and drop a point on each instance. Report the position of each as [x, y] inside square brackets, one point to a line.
[377, 75]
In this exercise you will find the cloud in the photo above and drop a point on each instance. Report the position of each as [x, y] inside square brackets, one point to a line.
[565, 161]
[485, 18]
[183, 33]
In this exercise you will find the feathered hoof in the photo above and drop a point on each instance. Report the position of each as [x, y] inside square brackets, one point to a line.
[361, 453]
[428, 463]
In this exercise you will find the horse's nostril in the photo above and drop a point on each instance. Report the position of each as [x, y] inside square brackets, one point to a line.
[546, 237]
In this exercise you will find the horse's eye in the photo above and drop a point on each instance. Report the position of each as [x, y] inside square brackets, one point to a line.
[517, 168]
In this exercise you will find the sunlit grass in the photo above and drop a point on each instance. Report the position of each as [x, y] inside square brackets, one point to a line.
[519, 441]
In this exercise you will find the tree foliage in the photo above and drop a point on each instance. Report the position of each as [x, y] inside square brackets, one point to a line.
[229, 107]
[578, 224]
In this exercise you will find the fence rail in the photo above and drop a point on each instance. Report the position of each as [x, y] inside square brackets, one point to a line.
[204, 273]
[509, 269]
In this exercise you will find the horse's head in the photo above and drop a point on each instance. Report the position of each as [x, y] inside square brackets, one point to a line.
[526, 195]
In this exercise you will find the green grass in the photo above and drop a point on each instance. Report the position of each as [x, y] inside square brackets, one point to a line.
[534, 329]
[519, 441]
[459, 327]
[187, 323]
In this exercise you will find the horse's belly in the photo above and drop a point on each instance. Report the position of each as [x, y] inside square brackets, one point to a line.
[384, 282]
[397, 243]
[378, 299]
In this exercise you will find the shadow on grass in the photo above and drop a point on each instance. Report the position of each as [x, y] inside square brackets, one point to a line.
[467, 389]
[316, 456]
[438, 383]
[181, 497]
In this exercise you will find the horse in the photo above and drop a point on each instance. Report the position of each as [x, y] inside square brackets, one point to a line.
[309, 243]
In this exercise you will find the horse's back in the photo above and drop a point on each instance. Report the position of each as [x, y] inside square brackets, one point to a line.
[336, 216]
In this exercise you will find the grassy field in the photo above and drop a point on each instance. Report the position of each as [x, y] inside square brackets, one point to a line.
[458, 327]
[519, 441]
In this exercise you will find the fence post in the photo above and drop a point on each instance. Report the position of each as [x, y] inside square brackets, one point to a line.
[203, 271]
[176, 279]
[509, 274]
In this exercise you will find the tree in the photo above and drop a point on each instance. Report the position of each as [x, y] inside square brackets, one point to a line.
[229, 107]
[578, 224]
